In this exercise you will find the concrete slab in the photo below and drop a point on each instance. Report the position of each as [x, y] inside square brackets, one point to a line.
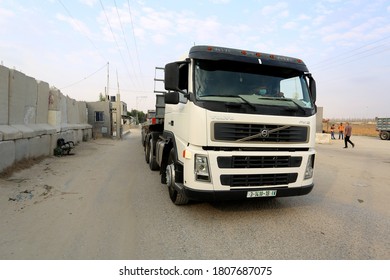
[54, 97]
[31, 100]
[43, 102]
[54, 118]
[22, 149]
[43, 129]
[17, 100]
[4, 89]
[68, 135]
[7, 152]
[10, 133]
[83, 112]
[63, 108]
[322, 138]
[72, 110]
[25, 130]
[39, 146]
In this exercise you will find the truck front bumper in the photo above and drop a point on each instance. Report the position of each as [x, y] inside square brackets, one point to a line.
[235, 194]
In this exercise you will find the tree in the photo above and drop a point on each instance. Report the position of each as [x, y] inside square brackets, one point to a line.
[101, 97]
[138, 115]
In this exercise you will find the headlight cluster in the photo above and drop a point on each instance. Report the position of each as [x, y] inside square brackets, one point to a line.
[202, 170]
[309, 167]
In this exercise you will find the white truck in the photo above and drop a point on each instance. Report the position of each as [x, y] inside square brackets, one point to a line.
[237, 125]
[383, 127]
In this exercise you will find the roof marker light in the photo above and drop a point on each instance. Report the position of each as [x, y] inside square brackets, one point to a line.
[244, 52]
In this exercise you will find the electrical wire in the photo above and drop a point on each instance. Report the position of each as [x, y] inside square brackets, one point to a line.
[346, 55]
[114, 37]
[90, 75]
[124, 38]
[75, 21]
[135, 42]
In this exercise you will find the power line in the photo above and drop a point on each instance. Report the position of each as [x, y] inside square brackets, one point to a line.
[347, 76]
[135, 41]
[116, 42]
[90, 75]
[345, 55]
[124, 37]
[76, 22]
[353, 57]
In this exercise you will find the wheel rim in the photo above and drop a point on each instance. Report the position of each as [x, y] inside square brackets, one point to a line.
[170, 176]
[385, 135]
[150, 151]
[147, 152]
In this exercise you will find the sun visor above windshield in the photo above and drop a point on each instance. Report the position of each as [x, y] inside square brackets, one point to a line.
[219, 53]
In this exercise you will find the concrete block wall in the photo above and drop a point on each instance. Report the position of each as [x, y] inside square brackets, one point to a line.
[42, 102]
[34, 115]
[4, 89]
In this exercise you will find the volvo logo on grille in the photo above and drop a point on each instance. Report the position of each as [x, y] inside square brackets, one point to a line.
[264, 133]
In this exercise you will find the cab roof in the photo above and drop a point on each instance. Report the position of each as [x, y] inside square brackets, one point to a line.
[228, 54]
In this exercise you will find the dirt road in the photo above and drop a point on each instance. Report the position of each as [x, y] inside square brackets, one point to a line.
[73, 207]
[104, 203]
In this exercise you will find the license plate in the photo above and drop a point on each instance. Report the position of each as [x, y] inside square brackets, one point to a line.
[266, 193]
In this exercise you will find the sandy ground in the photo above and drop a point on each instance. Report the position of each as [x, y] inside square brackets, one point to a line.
[103, 202]
[62, 207]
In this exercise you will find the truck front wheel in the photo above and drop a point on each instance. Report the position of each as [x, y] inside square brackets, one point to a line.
[384, 135]
[177, 198]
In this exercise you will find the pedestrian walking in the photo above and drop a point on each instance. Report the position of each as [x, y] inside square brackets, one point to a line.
[348, 133]
[332, 132]
[341, 131]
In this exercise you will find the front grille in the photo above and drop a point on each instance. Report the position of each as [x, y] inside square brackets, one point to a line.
[260, 133]
[258, 179]
[259, 162]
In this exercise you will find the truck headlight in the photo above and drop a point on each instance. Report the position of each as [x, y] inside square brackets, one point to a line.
[202, 172]
[309, 167]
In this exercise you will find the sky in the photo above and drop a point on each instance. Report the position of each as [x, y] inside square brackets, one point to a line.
[83, 47]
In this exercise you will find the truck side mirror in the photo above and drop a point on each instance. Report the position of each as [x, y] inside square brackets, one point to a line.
[176, 76]
[171, 76]
[171, 97]
[312, 88]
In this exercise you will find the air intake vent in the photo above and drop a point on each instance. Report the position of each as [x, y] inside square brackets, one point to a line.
[258, 180]
[259, 162]
[260, 133]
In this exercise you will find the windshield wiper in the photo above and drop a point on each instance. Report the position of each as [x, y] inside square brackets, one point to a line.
[236, 96]
[290, 100]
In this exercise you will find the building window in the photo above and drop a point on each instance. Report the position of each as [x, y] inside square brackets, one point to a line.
[99, 116]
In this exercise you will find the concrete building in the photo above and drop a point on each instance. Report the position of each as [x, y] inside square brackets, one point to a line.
[99, 116]
[102, 115]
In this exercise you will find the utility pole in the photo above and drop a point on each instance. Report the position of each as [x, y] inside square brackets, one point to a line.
[108, 80]
[118, 112]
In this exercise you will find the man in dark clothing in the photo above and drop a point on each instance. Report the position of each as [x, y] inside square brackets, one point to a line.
[347, 134]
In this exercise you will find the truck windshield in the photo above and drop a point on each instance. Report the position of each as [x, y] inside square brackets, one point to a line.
[254, 84]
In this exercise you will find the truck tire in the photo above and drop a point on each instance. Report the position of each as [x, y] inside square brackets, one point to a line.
[152, 158]
[384, 135]
[147, 151]
[177, 198]
[142, 137]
